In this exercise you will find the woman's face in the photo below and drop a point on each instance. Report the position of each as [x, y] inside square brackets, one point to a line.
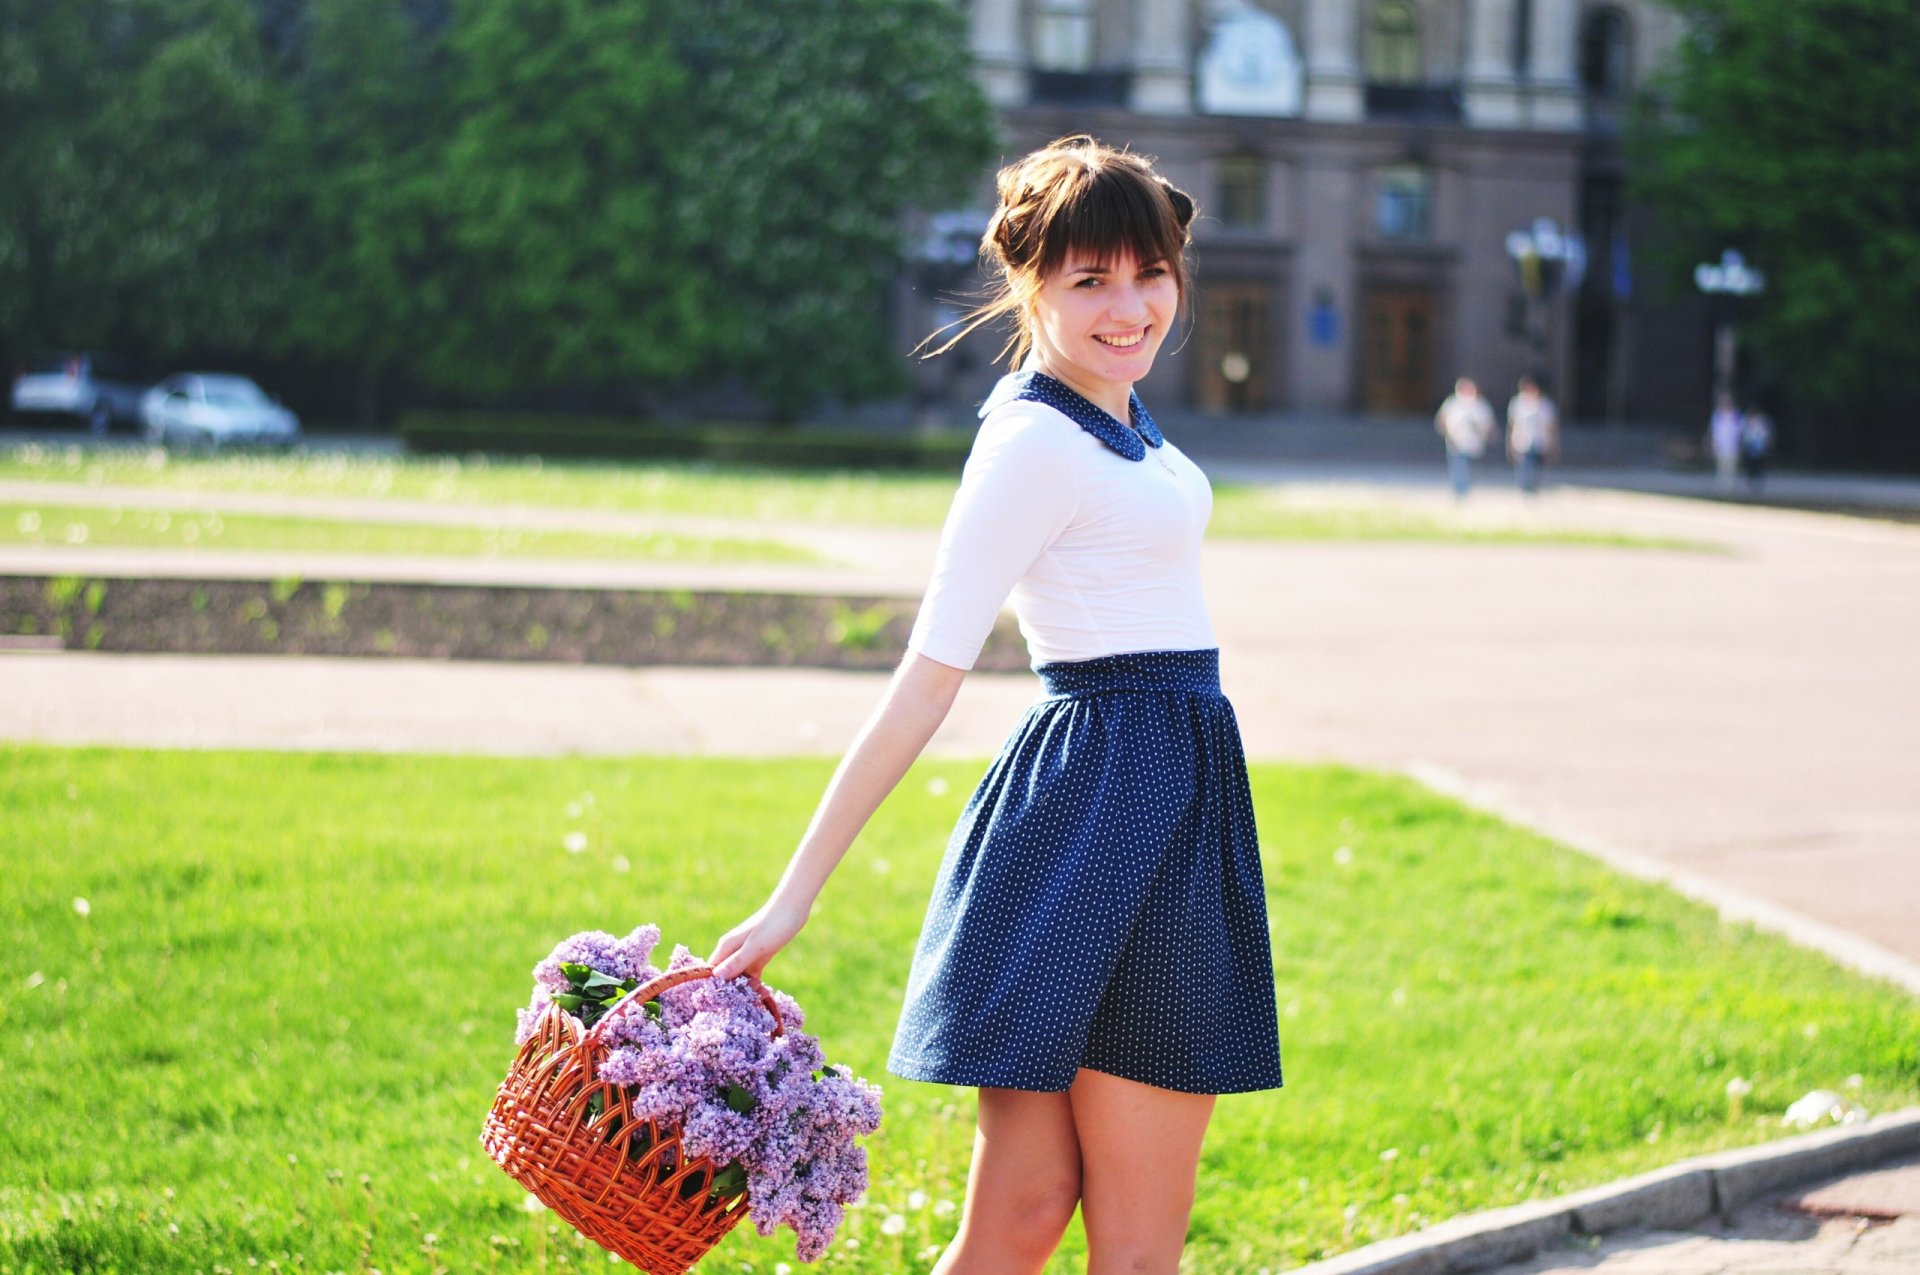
[1100, 326]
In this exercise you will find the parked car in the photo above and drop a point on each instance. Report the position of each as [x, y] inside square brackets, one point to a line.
[212, 409]
[97, 390]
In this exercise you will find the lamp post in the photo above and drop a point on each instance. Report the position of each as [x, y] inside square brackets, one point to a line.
[1726, 283]
[1548, 260]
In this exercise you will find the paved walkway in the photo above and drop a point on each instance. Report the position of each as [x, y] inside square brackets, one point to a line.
[1863, 1224]
[1742, 721]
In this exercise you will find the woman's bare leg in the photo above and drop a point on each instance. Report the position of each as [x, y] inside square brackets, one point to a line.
[1022, 1188]
[1140, 1154]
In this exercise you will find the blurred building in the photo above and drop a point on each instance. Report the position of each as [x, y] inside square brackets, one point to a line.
[1362, 168]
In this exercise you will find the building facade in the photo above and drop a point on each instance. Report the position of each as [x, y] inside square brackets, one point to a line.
[1392, 192]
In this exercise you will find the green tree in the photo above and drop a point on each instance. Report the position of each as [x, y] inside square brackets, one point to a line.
[138, 203]
[564, 265]
[1792, 132]
[366, 244]
[818, 123]
[669, 193]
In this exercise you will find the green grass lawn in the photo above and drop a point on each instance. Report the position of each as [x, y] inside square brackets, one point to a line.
[271, 1032]
[896, 499]
[67, 526]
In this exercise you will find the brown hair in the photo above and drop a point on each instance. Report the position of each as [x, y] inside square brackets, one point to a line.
[1074, 195]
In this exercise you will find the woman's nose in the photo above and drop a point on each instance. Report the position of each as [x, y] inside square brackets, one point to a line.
[1126, 303]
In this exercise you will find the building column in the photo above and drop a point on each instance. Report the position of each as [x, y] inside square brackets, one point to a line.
[1333, 65]
[1492, 87]
[999, 52]
[1554, 89]
[1162, 58]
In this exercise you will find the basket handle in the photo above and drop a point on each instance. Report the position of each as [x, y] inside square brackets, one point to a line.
[647, 991]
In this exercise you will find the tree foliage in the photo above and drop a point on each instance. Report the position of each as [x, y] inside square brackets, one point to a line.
[486, 198]
[137, 205]
[1792, 132]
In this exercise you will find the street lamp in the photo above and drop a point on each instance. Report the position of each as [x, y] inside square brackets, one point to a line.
[1549, 260]
[1726, 283]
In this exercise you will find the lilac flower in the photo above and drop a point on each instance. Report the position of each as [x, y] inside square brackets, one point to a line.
[709, 1065]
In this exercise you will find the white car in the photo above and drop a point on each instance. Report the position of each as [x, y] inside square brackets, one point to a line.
[98, 390]
[213, 409]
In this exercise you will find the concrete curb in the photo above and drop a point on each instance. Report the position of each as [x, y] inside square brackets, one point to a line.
[1665, 1199]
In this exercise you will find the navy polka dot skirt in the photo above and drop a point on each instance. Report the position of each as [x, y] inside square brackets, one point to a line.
[1100, 903]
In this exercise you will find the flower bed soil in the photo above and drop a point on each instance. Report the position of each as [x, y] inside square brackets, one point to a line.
[467, 622]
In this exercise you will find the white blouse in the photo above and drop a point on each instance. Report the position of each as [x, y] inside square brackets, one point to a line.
[1094, 528]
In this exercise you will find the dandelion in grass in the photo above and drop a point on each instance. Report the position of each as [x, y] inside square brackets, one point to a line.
[937, 786]
[944, 1208]
[83, 907]
[1737, 1090]
[620, 863]
[917, 1200]
[575, 842]
[1343, 856]
[895, 1224]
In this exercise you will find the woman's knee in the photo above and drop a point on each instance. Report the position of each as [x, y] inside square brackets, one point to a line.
[1025, 1220]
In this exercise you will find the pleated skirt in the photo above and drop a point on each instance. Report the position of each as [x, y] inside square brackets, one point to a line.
[1100, 903]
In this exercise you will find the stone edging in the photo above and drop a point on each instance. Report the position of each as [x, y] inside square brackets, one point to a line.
[1666, 1199]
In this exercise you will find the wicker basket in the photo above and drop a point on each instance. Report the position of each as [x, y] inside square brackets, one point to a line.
[568, 1138]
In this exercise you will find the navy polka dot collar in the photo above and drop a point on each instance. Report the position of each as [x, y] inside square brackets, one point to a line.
[1037, 387]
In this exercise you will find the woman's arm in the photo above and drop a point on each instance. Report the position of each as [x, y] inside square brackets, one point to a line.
[917, 701]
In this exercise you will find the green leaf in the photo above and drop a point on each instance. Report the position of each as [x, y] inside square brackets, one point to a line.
[741, 1100]
[566, 1000]
[729, 1182]
[577, 973]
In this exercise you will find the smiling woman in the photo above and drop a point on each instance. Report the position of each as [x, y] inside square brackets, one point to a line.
[1109, 852]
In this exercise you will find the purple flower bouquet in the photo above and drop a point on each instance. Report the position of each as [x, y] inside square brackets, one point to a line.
[702, 1057]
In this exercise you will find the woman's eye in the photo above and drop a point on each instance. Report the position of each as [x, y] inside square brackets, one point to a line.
[1088, 282]
[1153, 272]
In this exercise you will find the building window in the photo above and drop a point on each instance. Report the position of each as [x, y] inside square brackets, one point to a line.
[1243, 192]
[1405, 203]
[1606, 53]
[1063, 35]
[1522, 37]
[1393, 44]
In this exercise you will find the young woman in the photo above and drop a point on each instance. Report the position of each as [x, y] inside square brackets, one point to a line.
[1095, 958]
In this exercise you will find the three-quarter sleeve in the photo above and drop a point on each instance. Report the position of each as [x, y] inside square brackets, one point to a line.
[1017, 494]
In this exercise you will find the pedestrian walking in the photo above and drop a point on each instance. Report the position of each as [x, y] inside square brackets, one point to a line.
[1723, 438]
[1756, 445]
[1533, 433]
[1465, 422]
[1095, 956]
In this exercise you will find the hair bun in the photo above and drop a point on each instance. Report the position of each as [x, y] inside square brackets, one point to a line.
[1182, 202]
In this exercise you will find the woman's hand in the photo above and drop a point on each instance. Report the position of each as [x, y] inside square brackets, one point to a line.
[748, 946]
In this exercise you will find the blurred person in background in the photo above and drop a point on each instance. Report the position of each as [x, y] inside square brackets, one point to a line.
[1723, 438]
[1756, 444]
[1533, 433]
[1466, 422]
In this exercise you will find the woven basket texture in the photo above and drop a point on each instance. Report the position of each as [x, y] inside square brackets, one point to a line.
[569, 1138]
